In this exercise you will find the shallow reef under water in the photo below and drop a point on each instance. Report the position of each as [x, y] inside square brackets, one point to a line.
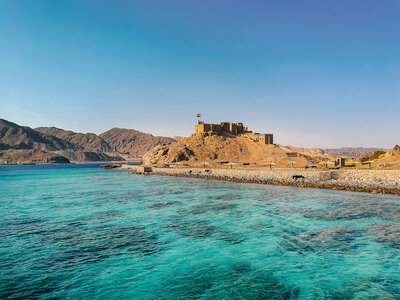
[81, 232]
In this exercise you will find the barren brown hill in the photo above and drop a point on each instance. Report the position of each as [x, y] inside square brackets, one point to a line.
[89, 156]
[352, 152]
[31, 156]
[14, 136]
[65, 144]
[391, 159]
[87, 141]
[212, 148]
[133, 142]
[178, 138]
[307, 151]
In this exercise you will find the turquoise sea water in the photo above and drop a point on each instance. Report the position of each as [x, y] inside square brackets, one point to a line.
[78, 232]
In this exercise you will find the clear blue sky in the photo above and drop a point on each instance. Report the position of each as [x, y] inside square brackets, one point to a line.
[314, 73]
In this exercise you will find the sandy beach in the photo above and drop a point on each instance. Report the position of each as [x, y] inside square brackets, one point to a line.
[373, 181]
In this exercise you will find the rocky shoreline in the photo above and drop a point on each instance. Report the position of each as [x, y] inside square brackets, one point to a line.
[372, 181]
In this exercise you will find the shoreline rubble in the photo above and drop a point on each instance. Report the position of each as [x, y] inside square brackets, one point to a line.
[371, 181]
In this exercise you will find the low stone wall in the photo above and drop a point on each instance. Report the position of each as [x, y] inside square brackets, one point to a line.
[375, 181]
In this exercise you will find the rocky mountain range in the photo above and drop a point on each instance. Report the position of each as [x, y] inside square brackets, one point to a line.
[132, 142]
[85, 141]
[356, 152]
[307, 151]
[50, 144]
[22, 144]
[352, 152]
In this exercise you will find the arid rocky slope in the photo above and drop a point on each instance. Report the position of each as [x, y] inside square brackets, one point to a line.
[307, 151]
[133, 142]
[355, 152]
[352, 152]
[212, 148]
[391, 159]
[50, 144]
[13, 136]
[32, 156]
[86, 146]
[46, 144]
[86, 141]
[178, 138]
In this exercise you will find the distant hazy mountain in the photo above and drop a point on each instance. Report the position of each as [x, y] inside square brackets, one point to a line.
[343, 151]
[51, 144]
[30, 156]
[133, 142]
[307, 151]
[13, 136]
[352, 152]
[178, 138]
[87, 141]
[26, 145]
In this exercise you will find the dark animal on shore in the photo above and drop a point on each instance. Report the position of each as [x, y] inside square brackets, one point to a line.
[295, 177]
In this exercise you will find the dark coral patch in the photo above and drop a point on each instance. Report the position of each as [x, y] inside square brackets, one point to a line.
[388, 234]
[238, 282]
[200, 209]
[193, 228]
[337, 238]
[162, 204]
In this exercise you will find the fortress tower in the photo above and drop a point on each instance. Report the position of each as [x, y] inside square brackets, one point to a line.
[234, 129]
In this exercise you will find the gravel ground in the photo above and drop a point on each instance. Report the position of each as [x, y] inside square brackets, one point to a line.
[374, 181]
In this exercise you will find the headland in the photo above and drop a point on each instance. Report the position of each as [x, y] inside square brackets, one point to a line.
[372, 181]
[231, 152]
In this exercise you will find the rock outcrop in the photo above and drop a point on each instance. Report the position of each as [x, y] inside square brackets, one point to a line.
[391, 159]
[213, 148]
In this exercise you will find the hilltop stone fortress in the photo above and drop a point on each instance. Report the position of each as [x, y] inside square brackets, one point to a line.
[234, 129]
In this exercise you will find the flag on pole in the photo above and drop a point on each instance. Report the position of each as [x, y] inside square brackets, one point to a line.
[198, 115]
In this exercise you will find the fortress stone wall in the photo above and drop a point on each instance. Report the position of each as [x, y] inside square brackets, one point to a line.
[234, 129]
